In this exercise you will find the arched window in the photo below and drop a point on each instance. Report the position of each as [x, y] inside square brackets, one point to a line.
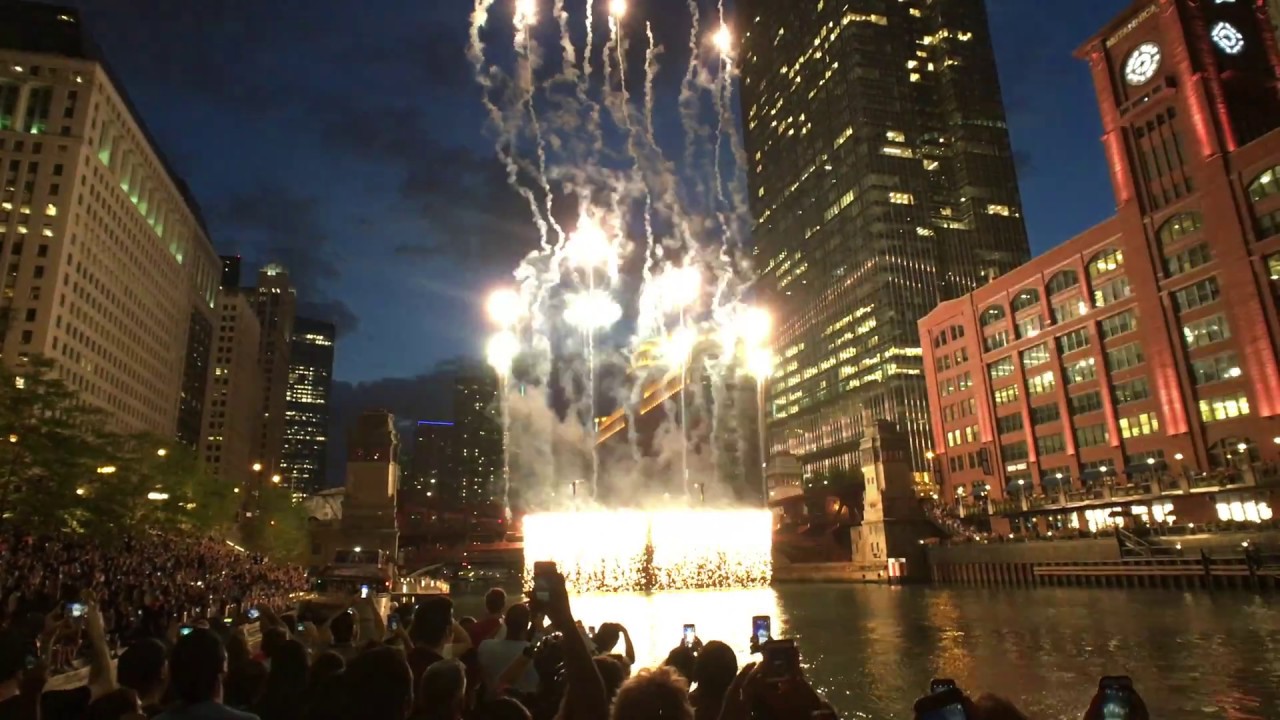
[1025, 299]
[1062, 281]
[1265, 185]
[1106, 261]
[992, 315]
[1178, 227]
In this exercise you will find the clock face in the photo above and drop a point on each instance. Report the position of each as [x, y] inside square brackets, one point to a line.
[1142, 64]
[1227, 38]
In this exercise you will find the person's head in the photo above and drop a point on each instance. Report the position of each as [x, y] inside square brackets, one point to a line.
[682, 659]
[716, 667]
[993, 707]
[272, 638]
[15, 652]
[506, 709]
[115, 705]
[143, 667]
[660, 692]
[495, 601]
[431, 622]
[443, 691]
[343, 628]
[517, 621]
[612, 672]
[288, 668]
[197, 666]
[606, 638]
[467, 623]
[327, 665]
[378, 685]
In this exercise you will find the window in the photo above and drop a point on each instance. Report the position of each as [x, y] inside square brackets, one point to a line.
[1037, 355]
[1113, 291]
[1130, 391]
[1118, 324]
[1106, 261]
[1178, 227]
[1041, 384]
[1069, 309]
[1025, 299]
[1144, 424]
[1014, 451]
[1030, 326]
[1006, 395]
[1215, 369]
[1224, 407]
[1072, 341]
[1205, 332]
[1186, 260]
[996, 341]
[1083, 371]
[1198, 295]
[1265, 185]
[1008, 423]
[1041, 414]
[1268, 224]
[1062, 281]
[1051, 444]
[1086, 403]
[1124, 357]
[1091, 436]
[992, 315]
[1000, 368]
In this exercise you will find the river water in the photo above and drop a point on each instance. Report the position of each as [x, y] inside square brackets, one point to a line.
[871, 650]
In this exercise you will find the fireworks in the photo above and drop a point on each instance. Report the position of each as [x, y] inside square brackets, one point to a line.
[630, 550]
[759, 362]
[723, 39]
[674, 350]
[617, 8]
[591, 310]
[678, 288]
[505, 307]
[589, 247]
[501, 351]
[526, 13]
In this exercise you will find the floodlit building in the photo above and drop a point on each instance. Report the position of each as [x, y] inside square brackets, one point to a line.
[1134, 367]
[232, 413]
[307, 406]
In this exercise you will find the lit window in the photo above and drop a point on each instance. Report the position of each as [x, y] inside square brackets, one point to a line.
[901, 198]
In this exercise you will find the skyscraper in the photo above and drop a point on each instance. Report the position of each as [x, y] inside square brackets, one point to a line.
[233, 405]
[107, 265]
[307, 406]
[433, 459]
[881, 182]
[477, 444]
[274, 303]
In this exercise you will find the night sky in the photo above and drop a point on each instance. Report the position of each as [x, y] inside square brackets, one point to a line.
[346, 140]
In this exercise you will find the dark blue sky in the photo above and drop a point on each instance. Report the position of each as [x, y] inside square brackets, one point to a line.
[347, 141]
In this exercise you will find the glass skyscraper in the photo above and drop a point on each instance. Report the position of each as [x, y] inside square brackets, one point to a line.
[881, 182]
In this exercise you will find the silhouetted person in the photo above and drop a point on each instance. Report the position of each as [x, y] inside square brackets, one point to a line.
[713, 671]
[284, 696]
[144, 668]
[442, 692]
[197, 668]
[378, 685]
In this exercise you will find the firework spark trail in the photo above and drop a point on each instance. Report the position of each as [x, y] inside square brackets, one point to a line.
[720, 200]
[526, 53]
[689, 93]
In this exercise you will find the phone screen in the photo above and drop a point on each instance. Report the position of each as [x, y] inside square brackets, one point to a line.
[781, 659]
[185, 630]
[364, 591]
[393, 621]
[75, 610]
[1115, 703]
[301, 627]
[253, 613]
[228, 621]
[761, 630]
[690, 634]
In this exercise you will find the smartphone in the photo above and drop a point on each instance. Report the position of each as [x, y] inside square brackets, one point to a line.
[945, 705]
[781, 660]
[30, 661]
[253, 613]
[228, 621]
[937, 685]
[364, 592]
[542, 572]
[393, 622]
[185, 630]
[761, 629]
[74, 610]
[1117, 696]
[302, 627]
[690, 635]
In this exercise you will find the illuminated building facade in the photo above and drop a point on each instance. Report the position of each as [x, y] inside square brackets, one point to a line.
[433, 467]
[233, 404]
[881, 181]
[105, 263]
[306, 430]
[477, 445]
[1136, 364]
[275, 303]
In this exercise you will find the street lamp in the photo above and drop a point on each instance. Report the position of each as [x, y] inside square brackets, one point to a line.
[275, 479]
[162, 452]
[154, 495]
[257, 467]
[106, 469]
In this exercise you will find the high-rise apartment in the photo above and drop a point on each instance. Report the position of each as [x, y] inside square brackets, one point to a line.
[881, 182]
[477, 443]
[107, 266]
[306, 427]
[275, 303]
[1132, 370]
[233, 407]
[434, 462]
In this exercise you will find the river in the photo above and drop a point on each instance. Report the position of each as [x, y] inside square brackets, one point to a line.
[871, 650]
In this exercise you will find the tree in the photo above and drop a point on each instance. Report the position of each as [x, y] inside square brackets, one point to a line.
[276, 527]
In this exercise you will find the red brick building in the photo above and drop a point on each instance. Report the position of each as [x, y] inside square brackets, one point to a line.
[1135, 365]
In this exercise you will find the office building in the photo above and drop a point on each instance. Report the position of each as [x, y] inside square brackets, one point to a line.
[477, 438]
[306, 427]
[275, 303]
[1136, 364]
[433, 466]
[107, 265]
[230, 271]
[881, 181]
[233, 406]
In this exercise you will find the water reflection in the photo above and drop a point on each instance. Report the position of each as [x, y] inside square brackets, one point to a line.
[872, 650]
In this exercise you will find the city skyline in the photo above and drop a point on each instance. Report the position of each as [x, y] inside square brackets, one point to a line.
[1043, 139]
